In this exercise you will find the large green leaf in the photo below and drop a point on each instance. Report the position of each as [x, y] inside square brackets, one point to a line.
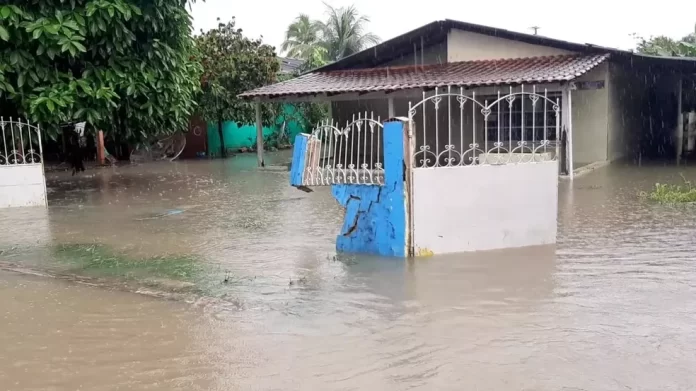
[4, 35]
[232, 64]
[62, 65]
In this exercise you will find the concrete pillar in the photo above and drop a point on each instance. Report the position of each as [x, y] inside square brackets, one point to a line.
[259, 134]
[562, 143]
[691, 131]
[377, 217]
[100, 148]
[679, 139]
[570, 131]
[567, 124]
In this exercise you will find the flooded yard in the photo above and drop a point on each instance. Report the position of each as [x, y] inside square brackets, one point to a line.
[212, 275]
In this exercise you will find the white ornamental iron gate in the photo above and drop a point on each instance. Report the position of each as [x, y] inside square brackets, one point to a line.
[515, 127]
[22, 176]
[21, 143]
[350, 154]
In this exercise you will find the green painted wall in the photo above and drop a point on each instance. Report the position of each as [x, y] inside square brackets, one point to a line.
[237, 137]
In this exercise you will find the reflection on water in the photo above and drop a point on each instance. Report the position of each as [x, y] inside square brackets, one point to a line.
[611, 307]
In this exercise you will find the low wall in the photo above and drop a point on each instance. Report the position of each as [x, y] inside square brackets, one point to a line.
[375, 214]
[22, 185]
[244, 135]
[487, 207]
[375, 221]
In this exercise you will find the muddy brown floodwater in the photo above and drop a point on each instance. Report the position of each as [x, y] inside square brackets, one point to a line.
[611, 307]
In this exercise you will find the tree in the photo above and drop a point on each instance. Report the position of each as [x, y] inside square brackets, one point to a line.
[316, 42]
[303, 39]
[344, 33]
[665, 46]
[233, 64]
[124, 66]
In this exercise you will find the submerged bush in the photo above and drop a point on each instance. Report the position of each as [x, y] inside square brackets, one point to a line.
[673, 194]
[101, 260]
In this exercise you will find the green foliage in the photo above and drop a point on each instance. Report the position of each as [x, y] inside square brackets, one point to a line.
[124, 66]
[233, 64]
[311, 113]
[665, 46]
[302, 40]
[100, 260]
[344, 32]
[672, 194]
[317, 42]
[307, 114]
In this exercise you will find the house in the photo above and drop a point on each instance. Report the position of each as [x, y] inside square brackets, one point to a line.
[481, 123]
[204, 138]
[289, 66]
[612, 104]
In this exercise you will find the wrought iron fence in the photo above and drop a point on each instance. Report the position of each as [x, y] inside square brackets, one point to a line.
[351, 154]
[21, 143]
[515, 127]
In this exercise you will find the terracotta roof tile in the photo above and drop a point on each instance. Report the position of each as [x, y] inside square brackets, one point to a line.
[466, 74]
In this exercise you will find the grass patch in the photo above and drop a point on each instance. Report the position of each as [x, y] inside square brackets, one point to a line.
[672, 194]
[101, 260]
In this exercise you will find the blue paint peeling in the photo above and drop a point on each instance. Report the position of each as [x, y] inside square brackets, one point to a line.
[298, 160]
[375, 221]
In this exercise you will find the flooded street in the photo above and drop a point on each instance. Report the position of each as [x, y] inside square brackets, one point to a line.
[243, 290]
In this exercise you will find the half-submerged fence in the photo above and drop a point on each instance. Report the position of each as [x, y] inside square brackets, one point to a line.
[21, 142]
[460, 129]
[350, 154]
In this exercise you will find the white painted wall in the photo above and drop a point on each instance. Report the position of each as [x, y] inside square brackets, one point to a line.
[476, 208]
[590, 119]
[22, 185]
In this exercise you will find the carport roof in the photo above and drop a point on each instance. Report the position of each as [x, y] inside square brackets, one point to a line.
[527, 70]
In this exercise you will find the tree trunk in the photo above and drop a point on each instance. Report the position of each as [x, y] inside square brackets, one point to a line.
[223, 151]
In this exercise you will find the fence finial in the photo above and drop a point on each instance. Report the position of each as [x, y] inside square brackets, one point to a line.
[329, 148]
[510, 142]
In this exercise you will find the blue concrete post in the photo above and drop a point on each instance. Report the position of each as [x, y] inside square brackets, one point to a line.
[299, 154]
[376, 219]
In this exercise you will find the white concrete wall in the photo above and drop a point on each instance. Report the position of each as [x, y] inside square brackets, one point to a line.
[463, 209]
[468, 46]
[22, 185]
[591, 119]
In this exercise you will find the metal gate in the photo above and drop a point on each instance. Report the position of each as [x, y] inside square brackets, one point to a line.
[22, 179]
[458, 199]
[350, 154]
[460, 129]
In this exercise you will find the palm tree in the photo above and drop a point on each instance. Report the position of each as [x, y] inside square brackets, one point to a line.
[303, 39]
[344, 33]
[318, 42]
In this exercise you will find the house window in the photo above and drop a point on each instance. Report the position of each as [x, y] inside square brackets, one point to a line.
[508, 120]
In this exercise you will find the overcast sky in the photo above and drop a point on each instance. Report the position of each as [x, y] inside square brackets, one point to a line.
[601, 22]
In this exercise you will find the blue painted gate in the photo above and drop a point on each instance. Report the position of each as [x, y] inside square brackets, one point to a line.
[364, 164]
